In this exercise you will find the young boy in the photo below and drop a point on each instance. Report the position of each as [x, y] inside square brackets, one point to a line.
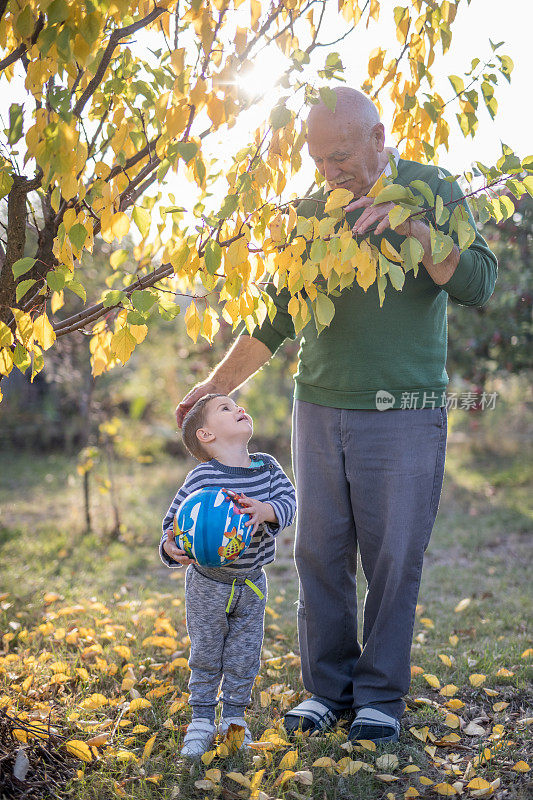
[225, 605]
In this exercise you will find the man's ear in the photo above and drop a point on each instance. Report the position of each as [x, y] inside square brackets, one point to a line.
[378, 132]
[204, 436]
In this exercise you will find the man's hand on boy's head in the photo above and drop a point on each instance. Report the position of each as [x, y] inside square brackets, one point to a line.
[171, 549]
[196, 393]
[259, 512]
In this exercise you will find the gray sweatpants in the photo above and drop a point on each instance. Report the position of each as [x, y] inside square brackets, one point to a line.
[225, 645]
[369, 480]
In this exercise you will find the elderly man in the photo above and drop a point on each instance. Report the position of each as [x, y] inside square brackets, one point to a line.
[365, 479]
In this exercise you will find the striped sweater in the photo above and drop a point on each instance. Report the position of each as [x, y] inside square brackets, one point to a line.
[264, 480]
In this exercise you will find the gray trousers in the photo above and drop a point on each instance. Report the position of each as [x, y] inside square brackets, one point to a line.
[369, 480]
[225, 646]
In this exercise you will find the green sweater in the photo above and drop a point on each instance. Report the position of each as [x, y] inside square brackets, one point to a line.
[400, 348]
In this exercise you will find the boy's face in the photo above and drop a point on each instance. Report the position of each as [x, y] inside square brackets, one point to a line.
[226, 422]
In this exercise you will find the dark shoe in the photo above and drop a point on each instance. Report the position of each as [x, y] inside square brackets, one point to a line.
[375, 726]
[311, 715]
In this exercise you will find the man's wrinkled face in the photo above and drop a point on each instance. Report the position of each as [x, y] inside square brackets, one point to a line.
[347, 155]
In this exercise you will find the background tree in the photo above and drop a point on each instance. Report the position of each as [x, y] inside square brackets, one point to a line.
[107, 117]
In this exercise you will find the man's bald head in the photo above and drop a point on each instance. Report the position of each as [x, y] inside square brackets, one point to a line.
[347, 144]
[352, 108]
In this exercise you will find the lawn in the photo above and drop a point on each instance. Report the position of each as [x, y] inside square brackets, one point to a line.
[95, 648]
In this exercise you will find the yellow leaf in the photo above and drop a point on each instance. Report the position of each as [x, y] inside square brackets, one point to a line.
[504, 673]
[453, 640]
[139, 332]
[138, 703]
[521, 766]
[477, 679]
[148, 747]
[6, 361]
[238, 777]
[420, 733]
[125, 755]
[366, 744]
[449, 690]
[79, 749]
[425, 781]
[289, 760]
[122, 344]
[94, 701]
[284, 777]
[120, 225]
[527, 653]
[234, 737]
[324, 761]
[43, 332]
[193, 322]
[500, 706]
[411, 792]
[445, 789]
[432, 680]
[387, 778]
[265, 699]
[393, 255]
[123, 651]
[452, 721]
[6, 337]
[478, 783]
[411, 768]
[462, 604]
[338, 199]
[445, 659]
[99, 740]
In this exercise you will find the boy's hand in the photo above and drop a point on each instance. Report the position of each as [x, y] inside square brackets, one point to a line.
[171, 549]
[259, 512]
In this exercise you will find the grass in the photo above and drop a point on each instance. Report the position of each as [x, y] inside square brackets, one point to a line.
[116, 594]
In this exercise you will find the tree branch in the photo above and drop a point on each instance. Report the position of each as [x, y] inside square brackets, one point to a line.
[114, 39]
[21, 49]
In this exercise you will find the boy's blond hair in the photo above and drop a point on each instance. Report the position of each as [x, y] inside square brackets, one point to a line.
[193, 421]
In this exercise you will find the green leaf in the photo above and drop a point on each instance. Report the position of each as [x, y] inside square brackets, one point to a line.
[114, 297]
[304, 227]
[168, 313]
[15, 123]
[55, 280]
[142, 218]
[57, 12]
[528, 184]
[143, 300]
[425, 191]
[76, 287]
[441, 245]
[212, 256]
[527, 164]
[279, 117]
[411, 251]
[77, 235]
[229, 206]
[22, 265]
[319, 250]
[328, 97]
[6, 182]
[324, 309]
[187, 150]
[21, 358]
[23, 287]
[466, 233]
[394, 193]
[396, 275]
[382, 285]
[136, 318]
[441, 213]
